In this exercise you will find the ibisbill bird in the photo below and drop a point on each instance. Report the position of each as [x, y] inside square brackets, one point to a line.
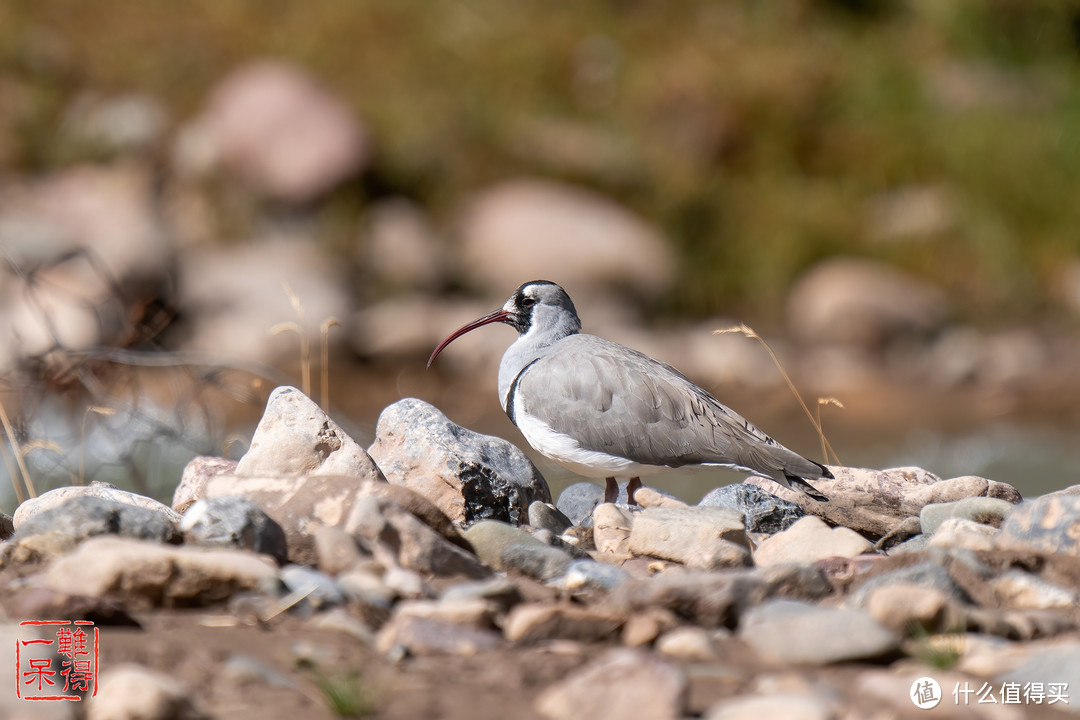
[603, 410]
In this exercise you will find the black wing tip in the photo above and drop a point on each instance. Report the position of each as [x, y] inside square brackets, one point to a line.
[800, 484]
[825, 472]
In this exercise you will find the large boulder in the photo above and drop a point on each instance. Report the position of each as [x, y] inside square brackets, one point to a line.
[295, 437]
[469, 476]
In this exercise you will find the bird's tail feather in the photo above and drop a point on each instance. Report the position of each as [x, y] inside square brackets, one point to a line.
[798, 483]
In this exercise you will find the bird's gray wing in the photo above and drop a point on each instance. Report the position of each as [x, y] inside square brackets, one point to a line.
[616, 400]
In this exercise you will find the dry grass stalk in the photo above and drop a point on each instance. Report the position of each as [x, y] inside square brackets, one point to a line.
[298, 328]
[747, 331]
[325, 369]
[17, 451]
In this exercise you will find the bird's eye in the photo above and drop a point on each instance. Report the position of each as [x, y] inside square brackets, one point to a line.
[528, 302]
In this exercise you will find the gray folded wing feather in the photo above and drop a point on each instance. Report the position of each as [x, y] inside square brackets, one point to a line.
[616, 400]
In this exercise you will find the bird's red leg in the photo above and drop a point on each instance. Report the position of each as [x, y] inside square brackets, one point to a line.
[611, 490]
[632, 487]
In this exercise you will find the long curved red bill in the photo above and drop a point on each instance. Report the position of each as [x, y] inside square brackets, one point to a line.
[499, 315]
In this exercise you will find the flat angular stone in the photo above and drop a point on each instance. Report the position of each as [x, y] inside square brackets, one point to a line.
[234, 522]
[400, 538]
[810, 540]
[702, 537]
[793, 632]
[141, 574]
[533, 622]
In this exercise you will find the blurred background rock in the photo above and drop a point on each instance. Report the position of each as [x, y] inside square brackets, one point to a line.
[887, 190]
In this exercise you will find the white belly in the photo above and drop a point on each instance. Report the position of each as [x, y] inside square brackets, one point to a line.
[566, 451]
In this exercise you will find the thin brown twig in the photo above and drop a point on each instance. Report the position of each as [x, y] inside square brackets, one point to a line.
[298, 328]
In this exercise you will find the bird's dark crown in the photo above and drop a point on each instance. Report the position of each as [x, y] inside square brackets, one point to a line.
[537, 292]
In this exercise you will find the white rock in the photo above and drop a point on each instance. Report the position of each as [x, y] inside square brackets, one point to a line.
[962, 533]
[58, 496]
[469, 476]
[808, 540]
[689, 643]
[295, 437]
[611, 529]
[797, 633]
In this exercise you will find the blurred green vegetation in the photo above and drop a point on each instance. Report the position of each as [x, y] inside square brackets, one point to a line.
[759, 136]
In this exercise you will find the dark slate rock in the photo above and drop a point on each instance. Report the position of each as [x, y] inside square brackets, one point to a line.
[542, 562]
[7, 526]
[593, 575]
[489, 539]
[1047, 525]
[84, 516]
[546, 516]
[764, 512]
[237, 522]
[470, 476]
